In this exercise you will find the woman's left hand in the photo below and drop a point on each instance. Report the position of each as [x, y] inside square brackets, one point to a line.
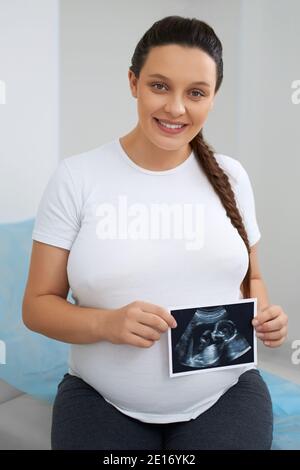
[271, 325]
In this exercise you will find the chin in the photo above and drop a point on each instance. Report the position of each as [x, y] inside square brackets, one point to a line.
[167, 144]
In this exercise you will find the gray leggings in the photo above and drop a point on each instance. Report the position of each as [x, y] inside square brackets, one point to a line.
[242, 418]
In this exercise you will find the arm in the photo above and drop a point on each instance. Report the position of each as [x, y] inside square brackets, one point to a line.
[45, 308]
[257, 286]
[271, 321]
[258, 289]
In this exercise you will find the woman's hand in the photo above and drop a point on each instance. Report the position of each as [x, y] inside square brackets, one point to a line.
[138, 324]
[271, 325]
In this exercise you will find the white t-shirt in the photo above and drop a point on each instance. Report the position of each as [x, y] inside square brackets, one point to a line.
[98, 205]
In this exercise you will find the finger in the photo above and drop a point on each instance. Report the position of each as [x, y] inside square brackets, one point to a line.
[268, 314]
[271, 325]
[145, 332]
[158, 310]
[273, 335]
[136, 340]
[154, 321]
[274, 344]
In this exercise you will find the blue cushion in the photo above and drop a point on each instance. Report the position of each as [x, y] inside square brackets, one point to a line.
[34, 363]
[286, 408]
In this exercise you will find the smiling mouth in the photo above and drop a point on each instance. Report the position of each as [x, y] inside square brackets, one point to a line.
[169, 130]
[171, 123]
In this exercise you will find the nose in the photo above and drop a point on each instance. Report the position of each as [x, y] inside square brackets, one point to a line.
[175, 106]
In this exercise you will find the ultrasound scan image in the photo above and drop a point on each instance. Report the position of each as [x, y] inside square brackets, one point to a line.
[210, 339]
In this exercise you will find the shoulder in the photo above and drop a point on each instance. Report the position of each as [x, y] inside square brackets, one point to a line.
[239, 180]
[76, 174]
[231, 166]
[87, 161]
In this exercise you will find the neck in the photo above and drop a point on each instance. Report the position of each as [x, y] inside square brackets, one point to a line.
[147, 155]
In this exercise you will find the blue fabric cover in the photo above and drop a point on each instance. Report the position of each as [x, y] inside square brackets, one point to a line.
[34, 363]
[286, 408]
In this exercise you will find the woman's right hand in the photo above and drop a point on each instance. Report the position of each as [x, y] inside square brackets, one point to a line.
[138, 324]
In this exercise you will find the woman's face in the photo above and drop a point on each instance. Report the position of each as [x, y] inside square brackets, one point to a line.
[177, 98]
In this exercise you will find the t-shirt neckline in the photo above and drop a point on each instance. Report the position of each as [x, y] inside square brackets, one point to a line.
[179, 167]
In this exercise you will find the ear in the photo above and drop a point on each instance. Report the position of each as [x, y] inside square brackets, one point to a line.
[132, 83]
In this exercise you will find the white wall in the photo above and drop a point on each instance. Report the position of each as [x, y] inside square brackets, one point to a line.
[29, 148]
[268, 143]
[269, 138]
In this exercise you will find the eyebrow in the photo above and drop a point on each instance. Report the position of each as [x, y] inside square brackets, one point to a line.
[159, 75]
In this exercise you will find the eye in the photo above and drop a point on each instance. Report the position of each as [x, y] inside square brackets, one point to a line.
[161, 84]
[200, 93]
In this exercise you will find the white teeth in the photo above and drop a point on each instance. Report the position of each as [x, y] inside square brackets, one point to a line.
[171, 126]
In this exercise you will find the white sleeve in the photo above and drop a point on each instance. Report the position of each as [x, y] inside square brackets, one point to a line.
[246, 204]
[58, 217]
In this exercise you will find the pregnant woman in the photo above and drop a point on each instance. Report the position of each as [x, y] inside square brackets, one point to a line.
[113, 225]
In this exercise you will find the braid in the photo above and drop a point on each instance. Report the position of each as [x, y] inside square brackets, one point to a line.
[221, 184]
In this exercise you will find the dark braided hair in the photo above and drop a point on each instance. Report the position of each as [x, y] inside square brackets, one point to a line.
[191, 32]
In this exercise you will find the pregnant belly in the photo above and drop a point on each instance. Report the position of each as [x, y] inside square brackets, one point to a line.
[138, 379]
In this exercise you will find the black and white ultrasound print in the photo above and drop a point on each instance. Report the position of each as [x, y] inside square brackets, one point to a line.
[212, 337]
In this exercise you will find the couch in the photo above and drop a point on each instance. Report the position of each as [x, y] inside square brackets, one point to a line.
[25, 421]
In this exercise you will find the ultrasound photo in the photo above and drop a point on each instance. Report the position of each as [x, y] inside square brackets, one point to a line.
[212, 337]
